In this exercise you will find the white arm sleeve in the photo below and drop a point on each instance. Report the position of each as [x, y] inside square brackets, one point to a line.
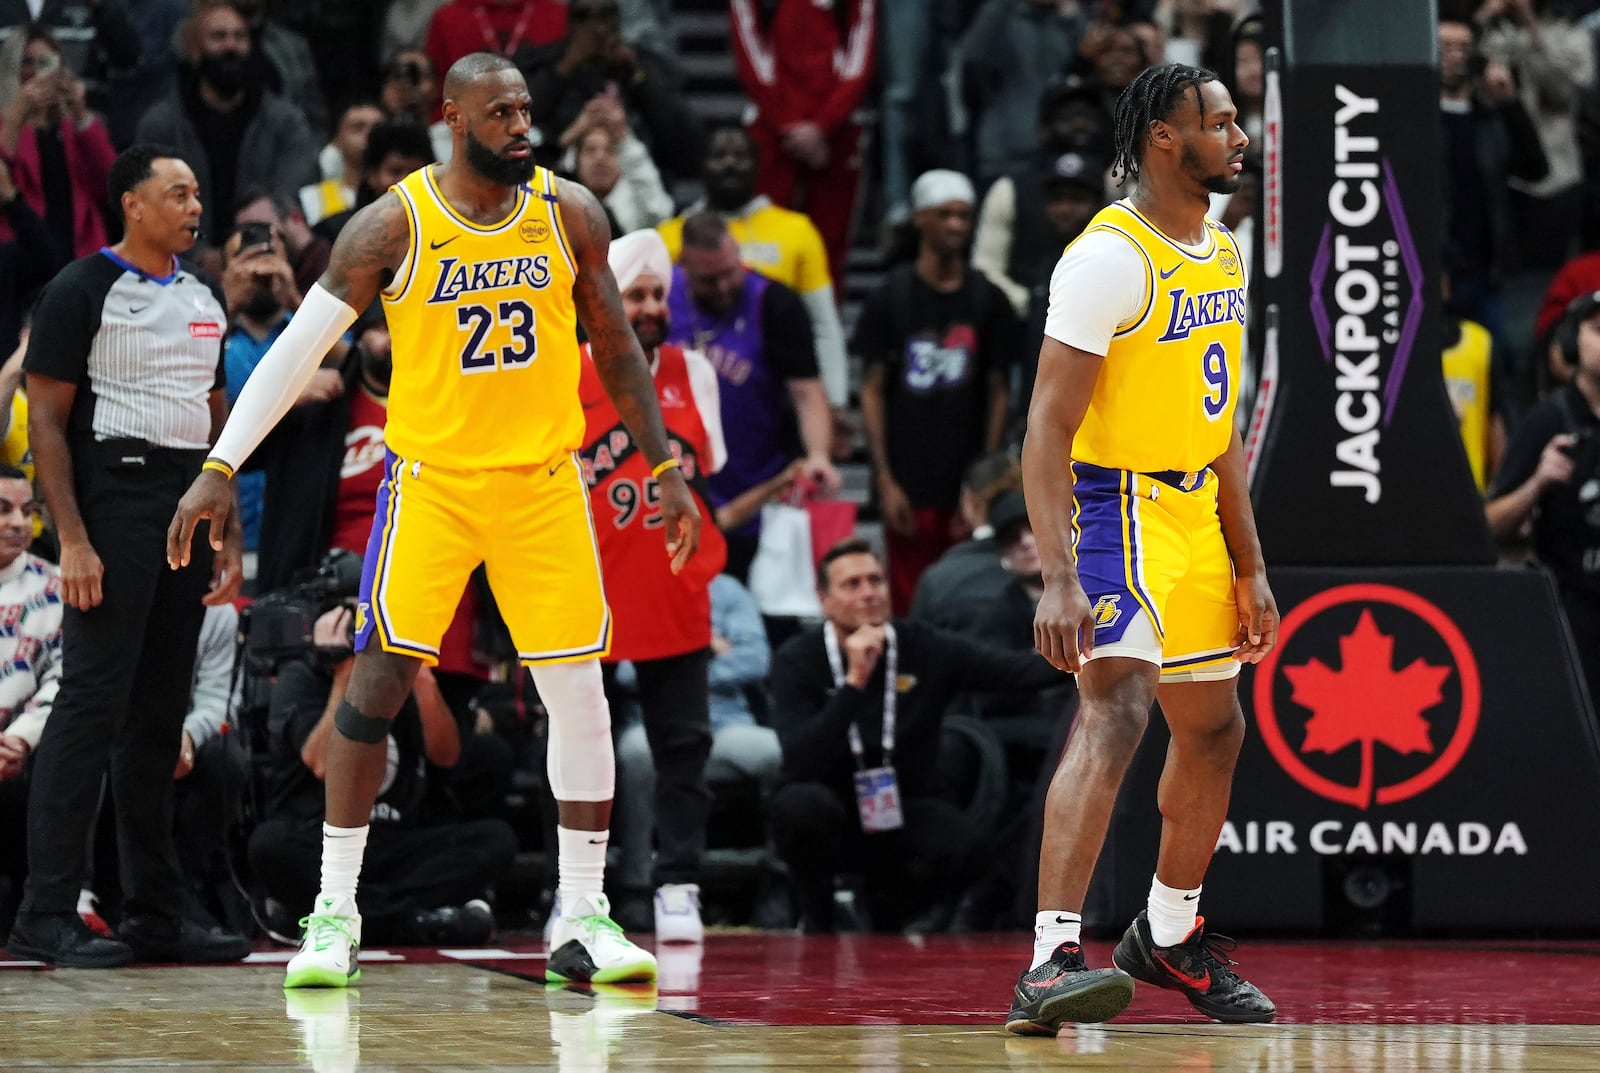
[708, 400]
[1098, 288]
[283, 374]
[827, 339]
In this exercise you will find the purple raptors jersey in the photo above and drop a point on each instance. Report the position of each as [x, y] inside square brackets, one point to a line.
[756, 414]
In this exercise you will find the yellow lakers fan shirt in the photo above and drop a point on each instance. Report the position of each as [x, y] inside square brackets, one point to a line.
[1169, 319]
[486, 357]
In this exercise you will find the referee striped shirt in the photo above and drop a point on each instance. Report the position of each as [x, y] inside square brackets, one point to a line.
[144, 351]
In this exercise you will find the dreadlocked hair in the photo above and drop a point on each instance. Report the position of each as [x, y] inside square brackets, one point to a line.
[1150, 97]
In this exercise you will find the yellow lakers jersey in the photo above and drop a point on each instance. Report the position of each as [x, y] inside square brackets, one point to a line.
[1170, 379]
[1466, 378]
[486, 357]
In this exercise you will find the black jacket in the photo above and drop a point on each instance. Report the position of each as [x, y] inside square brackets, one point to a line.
[812, 717]
[657, 109]
[955, 593]
[301, 458]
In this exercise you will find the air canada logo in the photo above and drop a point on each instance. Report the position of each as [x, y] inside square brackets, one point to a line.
[1371, 695]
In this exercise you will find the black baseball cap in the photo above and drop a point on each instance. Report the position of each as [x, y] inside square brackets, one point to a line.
[1061, 89]
[1008, 511]
[1075, 169]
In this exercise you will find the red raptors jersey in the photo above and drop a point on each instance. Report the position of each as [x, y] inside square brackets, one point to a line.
[655, 614]
[361, 472]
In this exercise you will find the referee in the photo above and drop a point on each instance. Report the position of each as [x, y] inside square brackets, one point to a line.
[125, 398]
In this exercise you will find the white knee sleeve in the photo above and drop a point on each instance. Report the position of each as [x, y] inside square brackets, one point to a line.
[580, 764]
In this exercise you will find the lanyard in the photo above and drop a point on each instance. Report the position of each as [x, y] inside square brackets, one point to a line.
[891, 663]
[492, 39]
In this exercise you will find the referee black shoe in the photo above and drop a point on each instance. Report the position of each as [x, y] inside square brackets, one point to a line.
[1199, 967]
[64, 939]
[1065, 989]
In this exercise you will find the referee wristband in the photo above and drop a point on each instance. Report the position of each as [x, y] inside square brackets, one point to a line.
[671, 463]
[219, 465]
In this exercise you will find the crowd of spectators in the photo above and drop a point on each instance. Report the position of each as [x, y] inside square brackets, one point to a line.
[978, 134]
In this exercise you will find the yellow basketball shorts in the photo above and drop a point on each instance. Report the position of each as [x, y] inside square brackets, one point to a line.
[531, 529]
[1156, 569]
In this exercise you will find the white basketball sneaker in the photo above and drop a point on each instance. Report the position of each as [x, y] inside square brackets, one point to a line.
[678, 913]
[327, 956]
[586, 945]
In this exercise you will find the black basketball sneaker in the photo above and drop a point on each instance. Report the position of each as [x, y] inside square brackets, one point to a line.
[1198, 967]
[1065, 989]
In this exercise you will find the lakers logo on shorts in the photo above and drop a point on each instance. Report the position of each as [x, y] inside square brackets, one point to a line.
[1106, 611]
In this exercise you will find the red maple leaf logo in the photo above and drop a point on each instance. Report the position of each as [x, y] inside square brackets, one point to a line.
[1367, 700]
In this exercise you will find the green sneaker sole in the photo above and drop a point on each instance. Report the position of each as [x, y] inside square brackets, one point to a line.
[638, 972]
[315, 977]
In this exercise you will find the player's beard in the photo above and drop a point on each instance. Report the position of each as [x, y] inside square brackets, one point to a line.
[1225, 183]
[507, 171]
[650, 331]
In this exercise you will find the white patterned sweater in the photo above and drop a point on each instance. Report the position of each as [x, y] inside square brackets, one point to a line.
[30, 645]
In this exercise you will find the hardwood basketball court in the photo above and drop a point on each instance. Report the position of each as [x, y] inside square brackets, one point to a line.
[801, 1004]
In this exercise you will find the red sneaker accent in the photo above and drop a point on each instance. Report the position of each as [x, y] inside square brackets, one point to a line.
[1199, 983]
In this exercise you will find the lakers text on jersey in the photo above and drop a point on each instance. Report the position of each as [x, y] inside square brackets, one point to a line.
[486, 356]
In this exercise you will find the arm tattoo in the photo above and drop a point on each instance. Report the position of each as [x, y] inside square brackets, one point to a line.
[617, 358]
[369, 249]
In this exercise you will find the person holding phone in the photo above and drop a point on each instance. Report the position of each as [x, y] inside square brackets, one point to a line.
[1489, 140]
[262, 297]
[59, 151]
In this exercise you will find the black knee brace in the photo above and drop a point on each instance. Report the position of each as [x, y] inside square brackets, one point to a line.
[357, 727]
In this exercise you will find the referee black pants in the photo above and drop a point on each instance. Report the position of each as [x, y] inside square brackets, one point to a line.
[128, 666]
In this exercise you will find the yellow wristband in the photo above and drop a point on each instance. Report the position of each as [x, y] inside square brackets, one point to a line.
[218, 465]
[671, 463]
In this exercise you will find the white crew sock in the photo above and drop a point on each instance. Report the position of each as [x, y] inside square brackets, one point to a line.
[1051, 928]
[580, 865]
[342, 850]
[1172, 913]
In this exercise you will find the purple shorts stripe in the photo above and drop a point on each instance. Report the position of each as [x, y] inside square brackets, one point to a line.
[1098, 543]
[375, 567]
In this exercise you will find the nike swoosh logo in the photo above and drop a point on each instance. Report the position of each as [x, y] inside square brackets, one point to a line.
[446, 242]
[557, 466]
[136, 310]
[1063, 920]
[1191, 897]
[597, 841]
[1168, 273]
[1046, 983]
[1199, 983]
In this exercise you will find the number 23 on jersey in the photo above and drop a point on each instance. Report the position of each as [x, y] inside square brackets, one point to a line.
[481, 324]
